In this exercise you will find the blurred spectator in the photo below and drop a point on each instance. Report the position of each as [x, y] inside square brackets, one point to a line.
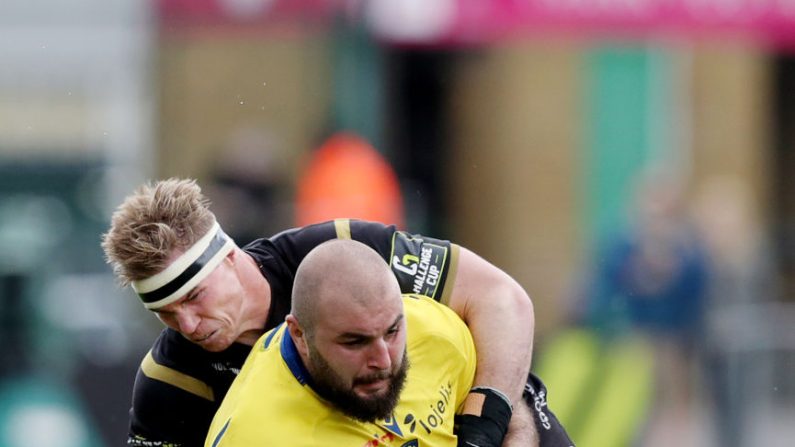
[742, 278]
[249, 186]
[651, 279]
[652, 274]
[729, 226]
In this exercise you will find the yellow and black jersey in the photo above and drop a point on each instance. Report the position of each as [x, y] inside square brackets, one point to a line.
[179, 386]
[272, 401]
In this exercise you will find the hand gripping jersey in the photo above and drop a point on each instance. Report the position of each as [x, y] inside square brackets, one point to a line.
[179, 386]
[272, 403]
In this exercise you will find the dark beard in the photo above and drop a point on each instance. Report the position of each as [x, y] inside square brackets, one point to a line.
[328, 385]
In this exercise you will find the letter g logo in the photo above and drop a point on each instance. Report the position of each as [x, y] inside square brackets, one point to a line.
[408, 266]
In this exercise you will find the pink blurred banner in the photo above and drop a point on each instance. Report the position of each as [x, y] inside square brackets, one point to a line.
[240, 12]
[483, 21]
[487, 20]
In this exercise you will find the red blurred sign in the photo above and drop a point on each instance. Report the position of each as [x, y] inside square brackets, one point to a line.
[347, 178]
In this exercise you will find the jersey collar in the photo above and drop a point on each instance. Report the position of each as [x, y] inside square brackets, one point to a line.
[293, 360]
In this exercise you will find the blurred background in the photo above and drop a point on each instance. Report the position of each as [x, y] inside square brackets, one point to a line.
[630, 163]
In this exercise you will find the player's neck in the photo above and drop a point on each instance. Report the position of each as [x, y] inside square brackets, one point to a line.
[249, 338]
[257, 291]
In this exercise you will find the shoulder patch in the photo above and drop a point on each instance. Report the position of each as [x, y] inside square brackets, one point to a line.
[418, 264]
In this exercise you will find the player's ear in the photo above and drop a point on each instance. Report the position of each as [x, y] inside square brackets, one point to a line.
[231, 257]
[297, 334]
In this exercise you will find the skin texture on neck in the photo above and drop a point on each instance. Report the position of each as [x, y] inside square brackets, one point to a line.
[257, 298]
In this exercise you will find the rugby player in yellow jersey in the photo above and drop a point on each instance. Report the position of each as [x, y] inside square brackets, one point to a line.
[355, 364]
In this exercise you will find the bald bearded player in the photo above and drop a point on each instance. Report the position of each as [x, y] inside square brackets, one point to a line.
[356, 364]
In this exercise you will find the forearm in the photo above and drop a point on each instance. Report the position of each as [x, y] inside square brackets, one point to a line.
[503, 335]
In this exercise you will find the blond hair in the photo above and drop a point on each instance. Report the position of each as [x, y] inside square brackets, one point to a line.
[153, 223]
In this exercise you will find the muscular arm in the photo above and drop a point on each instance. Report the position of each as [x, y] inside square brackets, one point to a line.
[500, 316]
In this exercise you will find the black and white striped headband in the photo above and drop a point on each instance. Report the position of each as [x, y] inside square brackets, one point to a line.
[188, 270]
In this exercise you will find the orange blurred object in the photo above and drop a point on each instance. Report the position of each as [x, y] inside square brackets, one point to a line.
[347, 178]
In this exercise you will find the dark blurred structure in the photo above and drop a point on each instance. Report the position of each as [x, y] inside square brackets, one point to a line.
[419, 88]
[15, 324]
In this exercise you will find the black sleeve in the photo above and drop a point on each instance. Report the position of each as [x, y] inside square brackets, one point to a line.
[551, 432]
[421, 264]
[163, 415]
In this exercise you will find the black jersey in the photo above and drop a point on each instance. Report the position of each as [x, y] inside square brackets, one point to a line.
[179, 386]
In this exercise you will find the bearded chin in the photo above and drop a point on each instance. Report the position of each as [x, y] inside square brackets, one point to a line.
[328, 385]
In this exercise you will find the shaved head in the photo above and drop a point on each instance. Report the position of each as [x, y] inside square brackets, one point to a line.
[338, 275]
[348, 326]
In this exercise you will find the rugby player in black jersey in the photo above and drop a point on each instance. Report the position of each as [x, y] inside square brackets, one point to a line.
[217, 299]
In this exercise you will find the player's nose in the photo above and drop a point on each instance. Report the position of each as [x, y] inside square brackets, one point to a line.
[379, 357]
[187, 322]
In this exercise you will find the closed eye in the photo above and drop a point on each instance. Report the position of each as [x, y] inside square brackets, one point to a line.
[355, 342]
[193, 295]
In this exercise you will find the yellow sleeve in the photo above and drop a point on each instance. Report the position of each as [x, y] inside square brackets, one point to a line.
[452, 342]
